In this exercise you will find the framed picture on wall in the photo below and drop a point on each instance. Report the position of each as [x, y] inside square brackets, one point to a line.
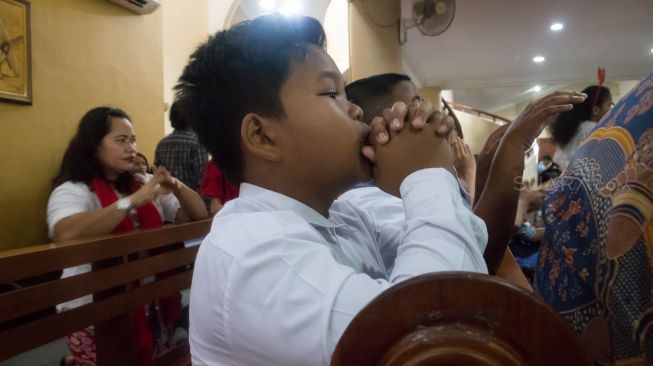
[15, 52]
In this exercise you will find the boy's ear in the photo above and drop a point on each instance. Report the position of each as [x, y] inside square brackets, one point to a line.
[259, 137]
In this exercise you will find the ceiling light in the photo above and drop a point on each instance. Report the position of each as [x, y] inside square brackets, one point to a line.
[267, 4]
[538, 59]
[557, 27]
[535, 89]
[651, 50]
[290, 7]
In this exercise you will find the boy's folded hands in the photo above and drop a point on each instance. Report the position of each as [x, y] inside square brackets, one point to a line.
[407, 147]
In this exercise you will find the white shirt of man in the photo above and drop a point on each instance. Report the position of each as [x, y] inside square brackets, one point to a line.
[276, 283]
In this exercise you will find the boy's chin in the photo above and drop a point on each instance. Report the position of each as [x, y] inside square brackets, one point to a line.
[366, 171]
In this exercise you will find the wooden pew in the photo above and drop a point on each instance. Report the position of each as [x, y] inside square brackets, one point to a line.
[27, 319]
[458, 319]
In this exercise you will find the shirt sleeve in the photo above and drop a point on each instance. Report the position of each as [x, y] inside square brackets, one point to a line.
[439, 234]
[214, 184]
[66, 200]
[433, 198]
[169, 206]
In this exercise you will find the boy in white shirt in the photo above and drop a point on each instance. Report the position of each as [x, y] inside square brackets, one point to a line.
[285, 269]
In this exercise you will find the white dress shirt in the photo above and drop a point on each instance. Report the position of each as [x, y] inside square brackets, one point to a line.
[276, 283]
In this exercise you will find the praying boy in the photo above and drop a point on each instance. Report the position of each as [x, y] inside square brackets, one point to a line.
[285, 268]
[279, 277]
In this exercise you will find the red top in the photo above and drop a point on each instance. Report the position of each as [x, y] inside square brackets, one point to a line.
[215, 185]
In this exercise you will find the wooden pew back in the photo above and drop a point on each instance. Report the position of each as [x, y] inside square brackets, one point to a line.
[25, 319]
[458, 318]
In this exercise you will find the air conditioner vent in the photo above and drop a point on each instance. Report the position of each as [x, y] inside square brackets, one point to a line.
[139, 6]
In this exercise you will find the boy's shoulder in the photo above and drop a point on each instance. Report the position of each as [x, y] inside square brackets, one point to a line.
[367, 208]
[365, 200]
[244, 225]
[367, 194]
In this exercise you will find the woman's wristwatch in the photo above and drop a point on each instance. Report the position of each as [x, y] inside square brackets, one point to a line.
[125, 204]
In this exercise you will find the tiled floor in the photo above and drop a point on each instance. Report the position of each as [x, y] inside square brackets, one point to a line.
[46, 355]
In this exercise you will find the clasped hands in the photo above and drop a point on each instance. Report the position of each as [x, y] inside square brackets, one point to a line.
[160, 183]
[405, 139]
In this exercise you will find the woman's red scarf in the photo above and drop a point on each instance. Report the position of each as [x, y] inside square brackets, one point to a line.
[169, 306]
[148, 215]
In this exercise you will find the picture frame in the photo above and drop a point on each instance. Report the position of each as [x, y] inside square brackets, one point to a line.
[15, 52]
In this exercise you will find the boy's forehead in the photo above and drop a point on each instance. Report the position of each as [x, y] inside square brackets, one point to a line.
[405, 91]
[318, 65]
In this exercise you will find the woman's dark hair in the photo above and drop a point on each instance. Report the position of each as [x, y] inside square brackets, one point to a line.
[565, 126]
[241, 71]
[80, 161]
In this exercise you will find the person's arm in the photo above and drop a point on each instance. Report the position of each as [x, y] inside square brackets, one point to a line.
[501, 192]
[485, 157]
[87, 224]
[192, 207]
[216, 205]
[96, 222]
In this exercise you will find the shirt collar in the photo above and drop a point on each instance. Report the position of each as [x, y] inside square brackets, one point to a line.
[278, 201]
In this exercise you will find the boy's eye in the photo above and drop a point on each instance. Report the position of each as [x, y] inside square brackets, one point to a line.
[331, 94]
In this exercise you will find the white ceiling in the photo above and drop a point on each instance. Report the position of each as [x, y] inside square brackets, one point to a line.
[485, 57]
[486, 54]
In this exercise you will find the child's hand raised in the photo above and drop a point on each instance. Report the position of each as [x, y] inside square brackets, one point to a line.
[463, 159]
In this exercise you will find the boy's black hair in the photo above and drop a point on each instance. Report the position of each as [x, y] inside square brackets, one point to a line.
[373, 94]
[566, 124]
[241, 71]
